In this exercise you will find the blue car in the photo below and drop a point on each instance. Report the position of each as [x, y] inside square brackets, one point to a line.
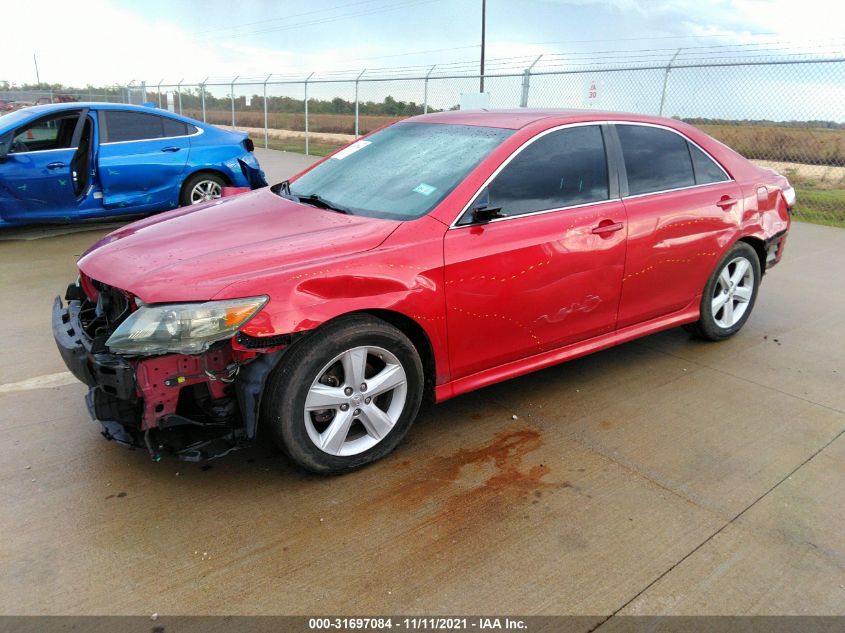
[73, 161]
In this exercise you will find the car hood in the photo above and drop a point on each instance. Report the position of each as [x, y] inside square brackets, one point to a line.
[193, 253]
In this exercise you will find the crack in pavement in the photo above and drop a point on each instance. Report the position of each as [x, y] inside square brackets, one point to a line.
[717, 532]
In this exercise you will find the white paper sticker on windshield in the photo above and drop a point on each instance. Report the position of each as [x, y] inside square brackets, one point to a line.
[348, 151]
[424, 189]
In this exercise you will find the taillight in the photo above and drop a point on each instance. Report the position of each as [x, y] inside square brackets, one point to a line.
[249, 145]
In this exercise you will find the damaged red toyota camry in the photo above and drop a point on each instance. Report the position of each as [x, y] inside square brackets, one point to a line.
[438, 255]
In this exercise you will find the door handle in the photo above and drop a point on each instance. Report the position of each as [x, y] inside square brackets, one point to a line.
[56, 165]
[171, 148]
[726, 202]
[606, 227]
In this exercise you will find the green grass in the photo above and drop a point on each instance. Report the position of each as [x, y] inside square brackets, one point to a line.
[820, 206]
[298, 145]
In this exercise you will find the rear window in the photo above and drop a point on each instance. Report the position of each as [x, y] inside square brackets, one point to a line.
[706, 170]
[122, 125]
[656, 159]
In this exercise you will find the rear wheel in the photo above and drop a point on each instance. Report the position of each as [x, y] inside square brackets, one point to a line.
[729, 295]
[345, 396]
[201, 187]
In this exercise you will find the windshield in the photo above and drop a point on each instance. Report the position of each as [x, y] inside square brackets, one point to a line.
[400, 172]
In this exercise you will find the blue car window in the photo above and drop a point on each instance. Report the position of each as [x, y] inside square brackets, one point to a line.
[123, 125]
[172, 127]
[50, 132]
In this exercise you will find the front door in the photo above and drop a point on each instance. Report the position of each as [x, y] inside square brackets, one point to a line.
[37, 174]
[546, 273]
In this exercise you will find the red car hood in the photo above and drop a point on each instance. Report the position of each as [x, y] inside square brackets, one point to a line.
[191, 254]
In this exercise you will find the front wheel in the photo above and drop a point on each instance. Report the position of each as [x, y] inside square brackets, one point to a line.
[345, 396]
[729, 295]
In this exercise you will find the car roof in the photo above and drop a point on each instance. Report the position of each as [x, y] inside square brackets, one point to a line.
[520, 117]
[94, 105]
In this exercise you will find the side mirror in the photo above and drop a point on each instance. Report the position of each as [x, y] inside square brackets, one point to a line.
[482, 211]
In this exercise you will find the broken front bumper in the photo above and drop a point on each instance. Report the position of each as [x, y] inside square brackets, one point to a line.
[185, 405]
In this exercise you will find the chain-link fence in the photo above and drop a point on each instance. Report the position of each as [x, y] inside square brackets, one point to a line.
[787, 115]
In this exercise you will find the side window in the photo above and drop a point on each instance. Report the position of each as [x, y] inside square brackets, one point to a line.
[655, 159]
[706, 170]
[122, 125]
[561, 169]
[172, 127]
[50, 132]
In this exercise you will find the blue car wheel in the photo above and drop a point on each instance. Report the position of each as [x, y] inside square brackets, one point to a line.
[202, 187]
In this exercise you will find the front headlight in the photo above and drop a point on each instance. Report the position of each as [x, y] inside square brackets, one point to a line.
[182, 328]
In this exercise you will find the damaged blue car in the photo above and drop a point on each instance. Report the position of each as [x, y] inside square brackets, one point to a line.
[73, 161]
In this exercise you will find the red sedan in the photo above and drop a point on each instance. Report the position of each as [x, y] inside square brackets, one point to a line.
[433, 257]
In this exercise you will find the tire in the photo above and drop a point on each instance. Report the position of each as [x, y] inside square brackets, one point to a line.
[729, 295]
[324, 369]
[201, 187]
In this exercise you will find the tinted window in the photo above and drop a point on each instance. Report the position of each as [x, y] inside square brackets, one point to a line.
[706, 170]
[560, 169]
[123, 125]
[172, 127]
[655, 159]
[402, 171]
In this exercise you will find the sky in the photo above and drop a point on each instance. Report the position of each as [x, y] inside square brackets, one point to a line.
[118, 41]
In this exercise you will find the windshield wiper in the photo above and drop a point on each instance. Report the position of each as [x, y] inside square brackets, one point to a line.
[317, 201]
[282, 189]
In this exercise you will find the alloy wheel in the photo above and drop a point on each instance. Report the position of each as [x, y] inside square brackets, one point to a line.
[732, 292]
[205, 190]
[355, 401]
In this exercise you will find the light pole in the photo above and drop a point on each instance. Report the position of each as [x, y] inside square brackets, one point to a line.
[483, 28]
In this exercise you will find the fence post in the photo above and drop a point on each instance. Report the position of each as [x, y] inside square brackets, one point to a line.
[526, 80]
[202, 97]
[425, 89]
[179, 92]
[666, 74]
[158, 88]
[143, 92]
[357, 79]
[129, 91]
[306, 112]
[232, 95]
[266, 142]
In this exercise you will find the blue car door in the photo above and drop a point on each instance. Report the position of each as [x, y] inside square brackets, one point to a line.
[37, 180]
[141, 159]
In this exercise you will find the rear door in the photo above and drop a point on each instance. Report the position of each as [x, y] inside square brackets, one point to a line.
[36, 176]
[141, 159]
[548, 272]
[682, 208]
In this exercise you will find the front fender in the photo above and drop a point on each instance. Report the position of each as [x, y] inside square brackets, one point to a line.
[404, 275]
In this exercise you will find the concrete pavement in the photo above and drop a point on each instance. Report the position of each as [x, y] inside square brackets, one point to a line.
[665, 476]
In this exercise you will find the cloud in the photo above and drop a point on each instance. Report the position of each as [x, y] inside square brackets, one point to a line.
[101, 43]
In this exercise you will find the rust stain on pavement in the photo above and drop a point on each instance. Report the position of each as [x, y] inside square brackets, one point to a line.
[477, 484]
